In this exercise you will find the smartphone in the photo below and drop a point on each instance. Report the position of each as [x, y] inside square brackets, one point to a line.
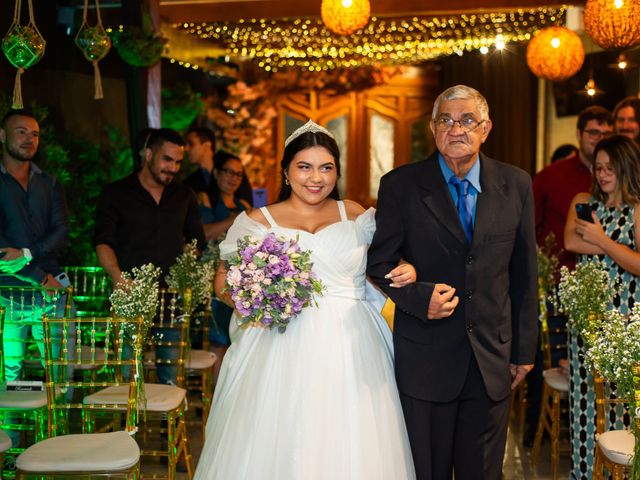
[63, 279]
[583, 211]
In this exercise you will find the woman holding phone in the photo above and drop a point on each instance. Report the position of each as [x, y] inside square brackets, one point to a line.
[604, 225]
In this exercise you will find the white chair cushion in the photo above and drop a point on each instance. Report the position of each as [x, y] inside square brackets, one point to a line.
[86, 356]
[23, 400]
[160, 398]
[200, 360]
[5, 441]
[556, 379]
[617, 446]
[89, 452]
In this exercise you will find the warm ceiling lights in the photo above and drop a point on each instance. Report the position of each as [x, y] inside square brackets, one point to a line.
[613, 24]
[555, 53]
[345, 16]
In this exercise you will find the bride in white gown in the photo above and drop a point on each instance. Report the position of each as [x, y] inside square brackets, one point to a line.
[320, 400]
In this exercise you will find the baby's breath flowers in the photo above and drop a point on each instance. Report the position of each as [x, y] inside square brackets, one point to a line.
[137, 295]
[585, 294]
[192, 272]
[614, 353]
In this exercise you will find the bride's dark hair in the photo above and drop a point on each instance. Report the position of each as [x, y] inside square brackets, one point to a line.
[300, 143]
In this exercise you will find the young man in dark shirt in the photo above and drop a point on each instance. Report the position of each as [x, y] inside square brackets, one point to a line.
[148, 217]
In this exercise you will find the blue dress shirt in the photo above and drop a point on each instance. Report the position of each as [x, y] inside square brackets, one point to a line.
[473, 176]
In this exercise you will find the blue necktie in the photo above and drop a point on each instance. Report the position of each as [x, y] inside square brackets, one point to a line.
[464, 208]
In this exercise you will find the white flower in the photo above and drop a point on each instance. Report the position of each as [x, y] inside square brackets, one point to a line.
[234, 276]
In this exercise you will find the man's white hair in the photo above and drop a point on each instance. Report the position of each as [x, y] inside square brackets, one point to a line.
[462, 92]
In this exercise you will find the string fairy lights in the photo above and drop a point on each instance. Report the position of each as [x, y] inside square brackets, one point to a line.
[279, 44]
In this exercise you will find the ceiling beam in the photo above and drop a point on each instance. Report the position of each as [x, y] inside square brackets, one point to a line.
[197, 11]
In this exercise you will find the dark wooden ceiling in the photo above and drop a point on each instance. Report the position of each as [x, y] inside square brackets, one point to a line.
[180, 11]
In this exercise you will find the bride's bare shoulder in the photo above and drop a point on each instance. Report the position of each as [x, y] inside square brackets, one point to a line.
[354, 209]
[257, 216]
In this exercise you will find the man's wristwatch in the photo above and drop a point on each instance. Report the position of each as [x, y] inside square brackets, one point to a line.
[27, 254]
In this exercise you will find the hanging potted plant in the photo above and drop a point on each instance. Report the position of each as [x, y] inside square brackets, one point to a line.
[180, 107]
[139, 46]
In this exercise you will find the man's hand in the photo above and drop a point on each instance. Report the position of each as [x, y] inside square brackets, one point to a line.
[12, 260]
[518, 372]
[442, 303]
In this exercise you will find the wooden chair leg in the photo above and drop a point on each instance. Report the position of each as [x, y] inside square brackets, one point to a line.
[542, 421]
[597, 464]
[187, 453]
[555, 435]
[172, 459]
[618, 472]
[207, 393]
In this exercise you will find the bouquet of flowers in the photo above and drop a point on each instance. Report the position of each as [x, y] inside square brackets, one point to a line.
[192, 272]
[615, 353]
[271, 280]
[137, 296]
[585, 294]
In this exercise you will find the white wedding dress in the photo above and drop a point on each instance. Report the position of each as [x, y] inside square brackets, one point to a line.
[318, 402]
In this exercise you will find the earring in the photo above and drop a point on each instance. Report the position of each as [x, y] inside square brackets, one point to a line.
[286, 181]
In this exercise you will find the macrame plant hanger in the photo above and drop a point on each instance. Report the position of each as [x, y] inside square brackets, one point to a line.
[23, 46]
[94, 44]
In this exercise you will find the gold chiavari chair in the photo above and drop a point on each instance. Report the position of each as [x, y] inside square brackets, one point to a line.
[555, 390]
[614, 448]
[113, 454]
[91, 290]
[5, 440]
[199, 367]
[24, 413]
[165, 403]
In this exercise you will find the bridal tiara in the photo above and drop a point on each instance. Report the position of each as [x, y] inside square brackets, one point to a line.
[310, 126]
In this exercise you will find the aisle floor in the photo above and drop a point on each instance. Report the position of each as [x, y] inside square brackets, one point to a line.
[517, 463]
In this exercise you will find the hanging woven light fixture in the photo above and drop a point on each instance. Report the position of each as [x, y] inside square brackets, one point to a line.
[555, 53]
[613, 24]
[345, 16]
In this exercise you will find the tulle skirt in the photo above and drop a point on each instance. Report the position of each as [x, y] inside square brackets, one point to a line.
[316, 402]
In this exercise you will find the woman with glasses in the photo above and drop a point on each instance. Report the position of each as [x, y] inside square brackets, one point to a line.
[607, 232]
[218, 210]
[229, 195]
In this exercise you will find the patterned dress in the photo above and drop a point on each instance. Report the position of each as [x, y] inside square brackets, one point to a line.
[618, 225]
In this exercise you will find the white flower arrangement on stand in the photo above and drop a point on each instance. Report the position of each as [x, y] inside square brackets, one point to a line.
[585, 294]
[137, 296]
[615, 354]
[192, 272]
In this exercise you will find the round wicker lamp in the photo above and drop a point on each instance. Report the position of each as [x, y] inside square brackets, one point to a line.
[345, 16]
[555, 53]
[613, 24]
